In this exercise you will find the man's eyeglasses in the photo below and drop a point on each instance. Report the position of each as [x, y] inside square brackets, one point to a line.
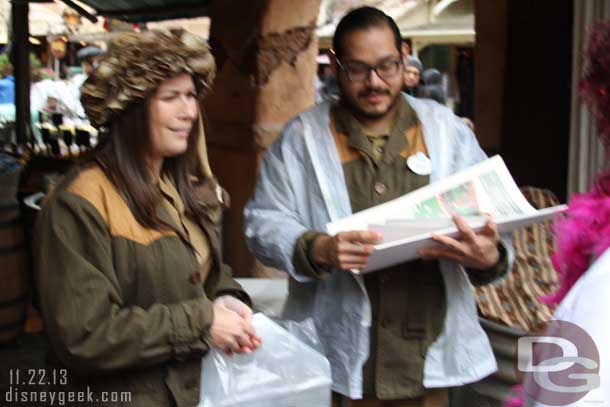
[359, 71]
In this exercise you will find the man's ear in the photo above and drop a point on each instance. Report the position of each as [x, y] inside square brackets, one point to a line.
[405, 52]
[333, 61]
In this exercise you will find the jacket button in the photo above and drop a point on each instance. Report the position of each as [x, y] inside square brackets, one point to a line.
[380, 188]
[195, 277]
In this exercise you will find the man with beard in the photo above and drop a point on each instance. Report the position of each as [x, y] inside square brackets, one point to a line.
[408, 332]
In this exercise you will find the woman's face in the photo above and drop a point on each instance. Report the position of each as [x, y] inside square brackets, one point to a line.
[172, 112]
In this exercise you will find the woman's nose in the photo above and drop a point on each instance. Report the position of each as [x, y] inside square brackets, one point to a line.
[188, 107]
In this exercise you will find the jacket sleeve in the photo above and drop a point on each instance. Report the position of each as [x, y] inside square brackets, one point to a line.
[273, 223]
[225, 284]
[303, 257]
[90, 326]
[496, 272]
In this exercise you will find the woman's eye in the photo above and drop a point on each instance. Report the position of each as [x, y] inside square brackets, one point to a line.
[174, 96]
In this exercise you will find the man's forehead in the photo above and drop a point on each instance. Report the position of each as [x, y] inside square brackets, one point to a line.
[371, 45]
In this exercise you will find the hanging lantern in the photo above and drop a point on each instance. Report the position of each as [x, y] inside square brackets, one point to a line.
[72, 19]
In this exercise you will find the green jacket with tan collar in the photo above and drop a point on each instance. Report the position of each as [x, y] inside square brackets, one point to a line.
[124, 307]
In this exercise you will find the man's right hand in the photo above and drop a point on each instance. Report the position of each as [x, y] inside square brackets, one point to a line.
[345, 250]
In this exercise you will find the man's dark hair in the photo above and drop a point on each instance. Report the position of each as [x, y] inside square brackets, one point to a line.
[361, 19]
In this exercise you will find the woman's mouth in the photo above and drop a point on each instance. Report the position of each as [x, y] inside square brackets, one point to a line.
[181, 132]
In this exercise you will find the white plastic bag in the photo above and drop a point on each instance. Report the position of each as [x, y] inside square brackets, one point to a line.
[283, 372]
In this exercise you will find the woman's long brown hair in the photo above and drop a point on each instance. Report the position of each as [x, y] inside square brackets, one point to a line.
[122, 157]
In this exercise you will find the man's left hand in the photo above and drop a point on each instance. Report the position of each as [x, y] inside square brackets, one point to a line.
[470, 249]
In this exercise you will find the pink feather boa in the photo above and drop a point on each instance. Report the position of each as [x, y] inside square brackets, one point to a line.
[581, 236]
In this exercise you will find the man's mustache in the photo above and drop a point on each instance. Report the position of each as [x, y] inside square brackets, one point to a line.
[366, 92]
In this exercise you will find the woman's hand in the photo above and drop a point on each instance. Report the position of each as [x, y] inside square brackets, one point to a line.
[236, 305]
[232, 329]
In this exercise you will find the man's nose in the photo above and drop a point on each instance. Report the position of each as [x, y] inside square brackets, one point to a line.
[373, 77]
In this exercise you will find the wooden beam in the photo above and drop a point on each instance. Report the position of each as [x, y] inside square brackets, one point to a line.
[80, 10]
[158, 13]
[441, 6]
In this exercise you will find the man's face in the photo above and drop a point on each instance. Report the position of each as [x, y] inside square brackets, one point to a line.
[87, 67]
[372, 96]
[411, 77]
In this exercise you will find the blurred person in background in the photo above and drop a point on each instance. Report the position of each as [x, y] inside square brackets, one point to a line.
[7, 81]
[88, 58]
[412, 75]
[433, 86]
[326, 82]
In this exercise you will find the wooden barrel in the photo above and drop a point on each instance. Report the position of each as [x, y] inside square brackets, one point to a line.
[13, 266]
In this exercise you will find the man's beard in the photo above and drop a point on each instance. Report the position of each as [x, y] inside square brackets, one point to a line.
[357, 111]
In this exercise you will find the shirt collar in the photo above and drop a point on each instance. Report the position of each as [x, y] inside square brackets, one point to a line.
[170, 193]
[346, 123]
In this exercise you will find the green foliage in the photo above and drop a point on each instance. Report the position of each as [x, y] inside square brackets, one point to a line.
[5, 63]
[35, 63]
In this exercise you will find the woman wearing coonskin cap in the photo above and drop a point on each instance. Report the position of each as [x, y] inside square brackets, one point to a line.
[128, 257]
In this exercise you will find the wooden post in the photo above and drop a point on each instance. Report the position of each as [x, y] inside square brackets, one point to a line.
[490, 52]
[21, 68]
[266, 56]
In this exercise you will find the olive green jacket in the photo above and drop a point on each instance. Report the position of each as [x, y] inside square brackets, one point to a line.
[123, 305]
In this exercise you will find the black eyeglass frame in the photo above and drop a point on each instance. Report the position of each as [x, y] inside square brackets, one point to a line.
[370, 68]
